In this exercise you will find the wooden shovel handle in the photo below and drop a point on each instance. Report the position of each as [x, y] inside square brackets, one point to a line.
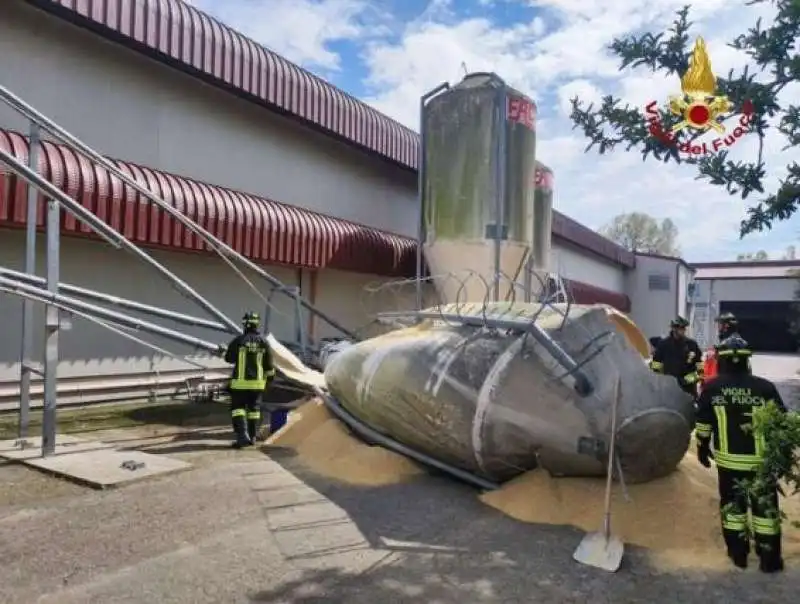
[611, 447]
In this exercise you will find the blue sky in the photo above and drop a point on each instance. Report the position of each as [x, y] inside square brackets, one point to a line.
[388, 52]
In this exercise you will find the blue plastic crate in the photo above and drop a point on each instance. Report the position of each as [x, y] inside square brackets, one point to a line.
[277, 420]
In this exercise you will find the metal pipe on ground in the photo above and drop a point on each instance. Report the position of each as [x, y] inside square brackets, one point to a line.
[220, 247]
[373, 436]
[43, 295]
[110, 234]
[97, 296]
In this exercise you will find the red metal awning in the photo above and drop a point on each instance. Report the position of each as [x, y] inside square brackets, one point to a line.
[185, 37]
[263, 230]
[585, 293]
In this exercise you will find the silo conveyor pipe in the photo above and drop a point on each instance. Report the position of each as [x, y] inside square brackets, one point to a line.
[227, 253]
[39, 294]
[371, 435]
[104, 298]
[110, 235]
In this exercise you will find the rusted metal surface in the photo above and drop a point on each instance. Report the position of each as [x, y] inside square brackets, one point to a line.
[261, 229]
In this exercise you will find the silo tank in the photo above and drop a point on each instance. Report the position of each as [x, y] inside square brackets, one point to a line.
[542, 224]
[479, 174]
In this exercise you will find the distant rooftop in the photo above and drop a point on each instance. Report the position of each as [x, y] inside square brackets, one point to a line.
[755, 269]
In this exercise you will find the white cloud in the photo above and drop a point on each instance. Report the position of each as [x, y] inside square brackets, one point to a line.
[300, 30]
[572, 59]
[558, 51]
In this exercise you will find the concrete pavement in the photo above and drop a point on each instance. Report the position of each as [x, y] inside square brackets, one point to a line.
[784, 370]
[246, 527]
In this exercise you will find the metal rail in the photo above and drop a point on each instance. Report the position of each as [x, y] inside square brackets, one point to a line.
[111, 235]
[43, 295]
[370, 435]
[104, 324]
[226, 252]
[96, 296]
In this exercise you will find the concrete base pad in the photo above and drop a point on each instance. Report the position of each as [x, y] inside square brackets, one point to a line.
[65, 444]
[91, 463]
[105, 468]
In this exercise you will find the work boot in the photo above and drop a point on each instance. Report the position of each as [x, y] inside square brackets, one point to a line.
[770, 564]
[240, 432]
[739, 558]
[252, 429]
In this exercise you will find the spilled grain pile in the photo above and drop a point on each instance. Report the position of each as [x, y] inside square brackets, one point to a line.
[677, 516]
[324, 444]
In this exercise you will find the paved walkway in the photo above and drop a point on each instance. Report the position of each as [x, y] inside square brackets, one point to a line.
[784, 370]
[244, 528]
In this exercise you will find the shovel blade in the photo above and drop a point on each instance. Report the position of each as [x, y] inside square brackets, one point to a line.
[600, 552]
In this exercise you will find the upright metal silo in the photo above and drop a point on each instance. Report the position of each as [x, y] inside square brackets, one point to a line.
[542, 224]
[478, 181]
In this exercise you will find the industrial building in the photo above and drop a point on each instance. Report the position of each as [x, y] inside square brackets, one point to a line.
[295, 174]
[763, 295]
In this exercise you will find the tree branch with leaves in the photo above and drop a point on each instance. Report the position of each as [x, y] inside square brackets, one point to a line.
[775, 52]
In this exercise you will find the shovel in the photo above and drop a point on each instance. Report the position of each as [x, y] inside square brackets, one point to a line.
[602, 549]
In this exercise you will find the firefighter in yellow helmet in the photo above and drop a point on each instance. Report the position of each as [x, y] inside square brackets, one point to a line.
[253, 371]
[725, 421]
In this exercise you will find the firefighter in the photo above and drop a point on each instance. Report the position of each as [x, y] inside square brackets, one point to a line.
[724, 419]
[727, 325]
[253, 371]
[679, 356]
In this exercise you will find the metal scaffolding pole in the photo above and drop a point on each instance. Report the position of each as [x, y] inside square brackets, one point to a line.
[421, 177]
[227, 253]
[26, 348]
[51, 324]
[68, 303]
[96, 296]
[112, 236]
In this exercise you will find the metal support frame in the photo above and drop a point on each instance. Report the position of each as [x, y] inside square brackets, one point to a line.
[227, 253]
[51, 325]
[301, 337]
[26, 347]
[68, 303]
[500, 186]
[90, 294]
[421, 175]
[112, 236]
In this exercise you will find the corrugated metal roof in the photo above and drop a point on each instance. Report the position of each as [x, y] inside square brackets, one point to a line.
[745, 272]
[176, 33]
[261, 229]
[585, 293]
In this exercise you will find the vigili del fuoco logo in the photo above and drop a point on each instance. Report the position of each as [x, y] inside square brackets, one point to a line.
[700, 110]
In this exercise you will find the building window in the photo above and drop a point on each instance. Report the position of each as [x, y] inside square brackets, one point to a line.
[658, 282]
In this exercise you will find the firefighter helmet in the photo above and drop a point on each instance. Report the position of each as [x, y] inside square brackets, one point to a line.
[734, 353]
[251, 319]
[679, 323]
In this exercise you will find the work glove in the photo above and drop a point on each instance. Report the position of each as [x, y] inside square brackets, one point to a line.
[690, 378]
[704, 455]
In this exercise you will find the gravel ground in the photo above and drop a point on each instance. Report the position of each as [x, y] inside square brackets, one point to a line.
[245, 527]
